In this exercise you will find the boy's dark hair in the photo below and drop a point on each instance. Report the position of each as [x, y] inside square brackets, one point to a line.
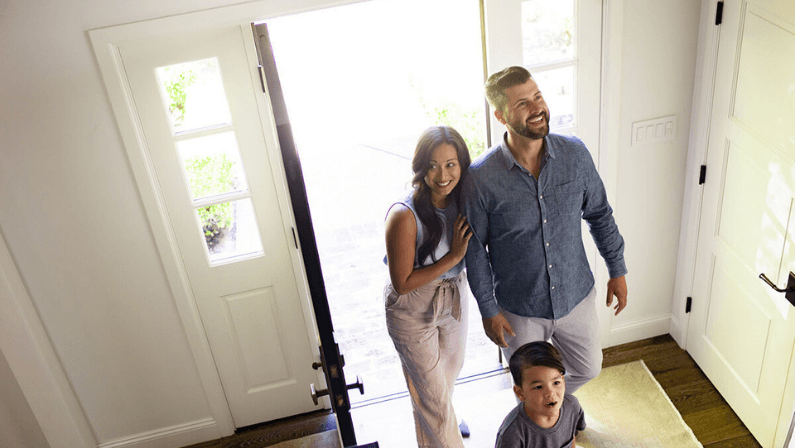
[539, 353]
[499, 82]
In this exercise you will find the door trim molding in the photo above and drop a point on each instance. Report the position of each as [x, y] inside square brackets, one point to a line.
[706, 60]
[609, 132]
[35, 365]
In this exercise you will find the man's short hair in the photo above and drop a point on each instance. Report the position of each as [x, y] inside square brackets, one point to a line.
[538, 353]
[499, 82]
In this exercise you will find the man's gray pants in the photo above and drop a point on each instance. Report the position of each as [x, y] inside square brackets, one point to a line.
[575, 335]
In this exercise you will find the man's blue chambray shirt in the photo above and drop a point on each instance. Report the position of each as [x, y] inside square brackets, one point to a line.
[526, 252]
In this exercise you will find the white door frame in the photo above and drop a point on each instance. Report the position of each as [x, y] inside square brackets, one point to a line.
[32, 346]
[706, 60]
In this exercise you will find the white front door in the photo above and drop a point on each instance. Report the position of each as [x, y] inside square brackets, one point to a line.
[215, 157]
[742, 332]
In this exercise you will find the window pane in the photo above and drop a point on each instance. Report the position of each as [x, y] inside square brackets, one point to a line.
[547, 31]
[194, 95]
[230, 230]
[212, 165]
[557, 86]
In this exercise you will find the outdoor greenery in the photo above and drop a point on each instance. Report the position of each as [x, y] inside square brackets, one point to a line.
[176, 83]
[469, 123]
[208, 175]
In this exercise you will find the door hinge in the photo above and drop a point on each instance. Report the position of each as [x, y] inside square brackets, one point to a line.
[702, 177]
[261, 71]
[719, 14]
[295, 240]
[688, 305]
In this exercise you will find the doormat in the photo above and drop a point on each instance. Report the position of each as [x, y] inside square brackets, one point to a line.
[626, 407]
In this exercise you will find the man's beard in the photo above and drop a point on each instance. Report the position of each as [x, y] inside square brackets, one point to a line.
[524, 131]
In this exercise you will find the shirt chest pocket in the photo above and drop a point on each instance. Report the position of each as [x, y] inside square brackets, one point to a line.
[569, 198]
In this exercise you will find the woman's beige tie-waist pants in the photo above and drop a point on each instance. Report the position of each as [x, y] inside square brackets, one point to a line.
[429, 328]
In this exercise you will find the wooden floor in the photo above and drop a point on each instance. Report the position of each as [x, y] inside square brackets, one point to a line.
[702, 407]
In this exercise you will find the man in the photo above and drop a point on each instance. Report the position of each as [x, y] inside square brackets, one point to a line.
[526, 264]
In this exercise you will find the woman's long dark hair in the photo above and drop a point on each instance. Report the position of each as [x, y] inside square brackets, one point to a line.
[429, 140]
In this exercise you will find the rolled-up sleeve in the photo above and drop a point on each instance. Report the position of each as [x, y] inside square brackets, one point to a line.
[479, 272]
[598, 214]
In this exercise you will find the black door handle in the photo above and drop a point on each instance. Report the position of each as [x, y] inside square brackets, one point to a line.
[789, 291]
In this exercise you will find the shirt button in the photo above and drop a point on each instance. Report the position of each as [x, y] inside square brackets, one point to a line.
[553, 287]
[550, 266]
[541, 197]
[545, 221]
[547, 244]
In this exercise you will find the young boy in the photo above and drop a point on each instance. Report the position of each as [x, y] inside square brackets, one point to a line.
[547, 417]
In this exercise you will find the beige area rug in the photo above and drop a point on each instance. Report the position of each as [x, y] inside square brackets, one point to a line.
[327, 439]
[626, 407]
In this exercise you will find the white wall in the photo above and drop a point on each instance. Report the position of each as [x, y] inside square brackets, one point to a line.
[75, 226]
[658, 57]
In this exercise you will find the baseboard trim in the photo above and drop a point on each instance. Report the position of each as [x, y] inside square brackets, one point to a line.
[677, 330]
[640, 329]
[177, 435]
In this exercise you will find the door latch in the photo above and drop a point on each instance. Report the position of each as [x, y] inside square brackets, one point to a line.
[317, 393]
[789, 291]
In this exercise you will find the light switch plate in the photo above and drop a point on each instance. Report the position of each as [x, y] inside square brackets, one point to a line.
[653, 131]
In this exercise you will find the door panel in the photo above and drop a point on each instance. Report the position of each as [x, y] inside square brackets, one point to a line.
[736, 309]
[244, 285]
[764, 95]
[251, 316]
[742, 332]
[745, 182]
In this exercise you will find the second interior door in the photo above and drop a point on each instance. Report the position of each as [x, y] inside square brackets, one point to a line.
[742, 332]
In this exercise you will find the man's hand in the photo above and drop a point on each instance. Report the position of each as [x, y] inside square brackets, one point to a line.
[495, 326]
[617, 287]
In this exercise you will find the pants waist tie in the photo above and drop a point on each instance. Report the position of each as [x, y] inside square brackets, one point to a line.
[448, 287]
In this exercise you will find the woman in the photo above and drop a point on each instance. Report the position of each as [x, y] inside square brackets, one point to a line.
[426, 300]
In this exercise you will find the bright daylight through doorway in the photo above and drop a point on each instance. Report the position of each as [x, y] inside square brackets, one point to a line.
[361, 82]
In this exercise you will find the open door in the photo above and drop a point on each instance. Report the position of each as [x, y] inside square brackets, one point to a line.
[204, 149]
[224, 213]
[332, 361]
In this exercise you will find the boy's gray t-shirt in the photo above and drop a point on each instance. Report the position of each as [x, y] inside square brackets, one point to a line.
[520, 431]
